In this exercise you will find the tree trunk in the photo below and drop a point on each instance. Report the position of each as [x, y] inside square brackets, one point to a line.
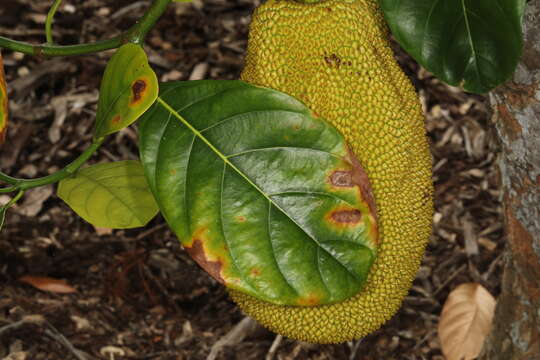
[516, 329]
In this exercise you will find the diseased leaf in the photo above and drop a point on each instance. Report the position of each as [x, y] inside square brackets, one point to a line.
[111, 195]
[266, 197]
[48, 284]
[128, 88]
[3, 103]
[465, 321]
[472, 44]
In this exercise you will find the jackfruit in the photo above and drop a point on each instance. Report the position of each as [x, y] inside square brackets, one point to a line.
[334, 55]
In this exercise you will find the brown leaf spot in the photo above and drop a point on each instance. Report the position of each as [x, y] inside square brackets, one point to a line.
[311, 300]
[255, 272]
[241, 219]
[138, 88]
[360, 179]
[341, 178]
[332, 60]
[116, 119]
[198, 253]
[347, 216]
[355, 178]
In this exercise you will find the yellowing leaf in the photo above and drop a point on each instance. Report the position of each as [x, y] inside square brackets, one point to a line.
[128, 88]
[465, 321]
[48, 284]
[111, 195]
[3, 103]
[264, 196]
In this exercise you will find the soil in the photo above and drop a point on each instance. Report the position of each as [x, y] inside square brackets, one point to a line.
[138, 295]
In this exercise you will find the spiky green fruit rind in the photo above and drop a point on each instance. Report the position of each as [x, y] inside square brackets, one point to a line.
[335, 57]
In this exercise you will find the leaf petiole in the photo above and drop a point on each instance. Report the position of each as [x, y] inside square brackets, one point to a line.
[25, 184]
[49, 20]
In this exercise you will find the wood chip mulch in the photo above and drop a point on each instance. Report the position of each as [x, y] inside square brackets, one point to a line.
[139, 296]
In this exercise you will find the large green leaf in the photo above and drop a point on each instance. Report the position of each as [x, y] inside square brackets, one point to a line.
[475, 44]
[128, 88]
[110, 195]
[264, 196]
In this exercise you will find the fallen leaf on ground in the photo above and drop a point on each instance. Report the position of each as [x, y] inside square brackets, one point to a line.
[48, 284]
[465, 321]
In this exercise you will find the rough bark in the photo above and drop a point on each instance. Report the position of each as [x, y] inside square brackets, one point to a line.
[516, 329]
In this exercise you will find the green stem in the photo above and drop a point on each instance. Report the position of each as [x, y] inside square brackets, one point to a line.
[14, 199]
[134, 34]
[49, 20]
[71, 168]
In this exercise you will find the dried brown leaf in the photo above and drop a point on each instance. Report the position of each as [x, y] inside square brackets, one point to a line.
[48, 284]
[465, 321]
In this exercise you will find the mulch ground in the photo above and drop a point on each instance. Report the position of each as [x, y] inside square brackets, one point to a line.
[139, 296]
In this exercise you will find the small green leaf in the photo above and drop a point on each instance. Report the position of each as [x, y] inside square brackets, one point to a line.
[3, 103]
[263, 195]
[128, 88]
[475, 44]
[111, 195]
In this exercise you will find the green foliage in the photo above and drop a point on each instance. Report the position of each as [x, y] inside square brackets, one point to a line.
[110, 195]
[241, 174]
[475, 44]
[128, 88]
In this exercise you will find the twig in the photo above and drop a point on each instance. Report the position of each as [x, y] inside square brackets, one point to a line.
[354, 345]
[50, 331]
[233, 337]
[449, 279]
[12, 326]
[272, 351]
[53, 333]
[149, 231]
[492, 267]
[30, 319]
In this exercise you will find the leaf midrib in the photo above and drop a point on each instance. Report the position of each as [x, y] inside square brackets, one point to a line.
[471, 43]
